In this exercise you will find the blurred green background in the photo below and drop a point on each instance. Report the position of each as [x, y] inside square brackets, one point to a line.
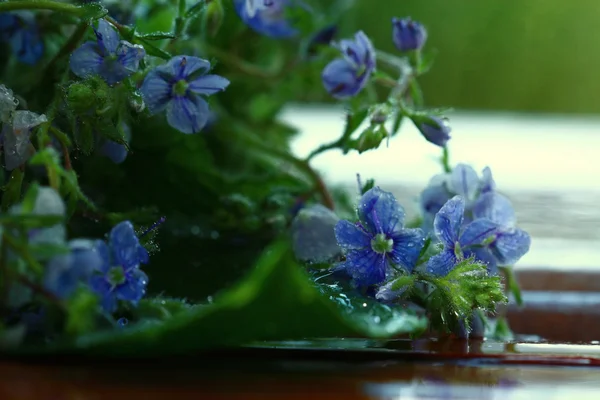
[525, 55]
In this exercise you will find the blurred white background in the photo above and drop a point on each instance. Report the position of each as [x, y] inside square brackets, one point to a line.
[548, 165]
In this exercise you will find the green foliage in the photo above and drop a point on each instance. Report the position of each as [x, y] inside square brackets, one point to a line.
[467, 287]
[243, 314]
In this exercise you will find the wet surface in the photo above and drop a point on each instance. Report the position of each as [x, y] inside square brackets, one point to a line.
[324, 369]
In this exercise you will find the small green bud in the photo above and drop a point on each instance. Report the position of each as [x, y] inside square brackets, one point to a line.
[80, 97]
[213, 17]
[371, 138]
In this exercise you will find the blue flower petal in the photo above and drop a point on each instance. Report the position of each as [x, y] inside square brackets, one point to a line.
[496, 208]
[464, 181]
[380, 212]
[180, 67]
[510, 246]
[125, 246]
[156, 91]
[340, 80]
[107, 36]
[448, 221]
[477, 232]
[366, 267]
[269, 21]
[130, 55]
[187, 114]
[134, 287]
[407, 248]
[351, 237]
[116, 152]
[100, 285]
[487, 181]
[367, 51]
[433, 198]
[442, 263]
[86, 60]
[208, 84]
[104, 253]
[60, 277]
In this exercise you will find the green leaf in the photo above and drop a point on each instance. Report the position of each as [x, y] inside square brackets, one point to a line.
[426, 62]
[276, 301]
[92, 11]
[81, 312]
[153, 50]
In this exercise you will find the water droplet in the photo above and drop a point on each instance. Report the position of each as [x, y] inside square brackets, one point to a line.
[364, 304]
[411, 244]
[377, 319]
[209, 299]
[214, 235]
[195, 230]
[122, 322]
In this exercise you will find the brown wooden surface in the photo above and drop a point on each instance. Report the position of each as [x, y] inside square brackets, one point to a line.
[358, 375]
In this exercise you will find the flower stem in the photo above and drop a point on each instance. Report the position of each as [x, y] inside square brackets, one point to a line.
[42, 5]
[248, 136]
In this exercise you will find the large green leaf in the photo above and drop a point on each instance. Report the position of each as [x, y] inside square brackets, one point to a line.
[276, 301]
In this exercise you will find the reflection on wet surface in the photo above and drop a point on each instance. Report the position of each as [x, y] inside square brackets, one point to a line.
[397, 369]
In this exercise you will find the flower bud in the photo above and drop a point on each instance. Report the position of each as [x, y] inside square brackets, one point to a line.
[408, 35]
[371, 138]
[435, 129]
[213, 17]
[80, 98]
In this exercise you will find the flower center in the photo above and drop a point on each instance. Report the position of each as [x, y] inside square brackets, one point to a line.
[381, 244]
[180, 87]
[458, 253]
[116, 276]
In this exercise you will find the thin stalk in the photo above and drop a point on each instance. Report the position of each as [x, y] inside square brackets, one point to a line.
[42, 5]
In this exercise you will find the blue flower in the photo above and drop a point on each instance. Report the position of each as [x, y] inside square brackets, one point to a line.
[408, 34]
[435, 130]
[21, 31]
[177, 87]
[119, 277]
[462, 181]
[109, 57]
[510, 243]
[266, 17]
[65, 271]
[458, 240]
[378, 242]
[347, 76]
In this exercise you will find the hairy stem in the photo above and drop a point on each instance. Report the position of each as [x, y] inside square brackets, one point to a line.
[42, 5]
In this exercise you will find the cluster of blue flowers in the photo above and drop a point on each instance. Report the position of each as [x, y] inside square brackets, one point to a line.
[20, 31]
[111, 269]
[470, 220]
[176, 86]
